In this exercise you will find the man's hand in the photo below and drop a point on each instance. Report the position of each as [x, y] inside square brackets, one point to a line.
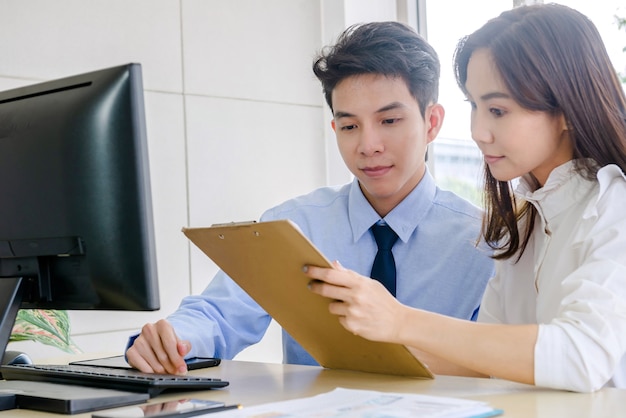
[159, 350]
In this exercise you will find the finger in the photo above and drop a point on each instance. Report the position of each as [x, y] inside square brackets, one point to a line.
[172, 346]
[329, 290]
[157, 346]
[172, 356]
[152, 350]
[137, 361]
[184, 347]
[142, 357]
[338, 308]
[314, 272]
[346, 324]
[337, 265]
[337, 277]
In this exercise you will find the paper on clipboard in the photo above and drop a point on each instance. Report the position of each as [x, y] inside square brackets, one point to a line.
[266, 260]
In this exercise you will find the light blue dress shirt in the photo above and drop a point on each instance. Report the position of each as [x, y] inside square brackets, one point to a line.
[438, 266]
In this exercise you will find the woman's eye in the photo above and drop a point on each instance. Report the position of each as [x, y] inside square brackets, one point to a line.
[496, 112]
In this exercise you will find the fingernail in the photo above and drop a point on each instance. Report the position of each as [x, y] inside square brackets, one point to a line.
[305, 269]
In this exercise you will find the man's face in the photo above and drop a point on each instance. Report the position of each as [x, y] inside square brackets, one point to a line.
[382, 136]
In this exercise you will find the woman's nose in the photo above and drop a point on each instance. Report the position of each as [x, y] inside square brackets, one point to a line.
[480, 130]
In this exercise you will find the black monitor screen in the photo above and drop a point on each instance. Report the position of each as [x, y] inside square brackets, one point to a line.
[75, 214]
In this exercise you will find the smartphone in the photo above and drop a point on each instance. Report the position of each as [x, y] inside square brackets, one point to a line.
[194, 363]
[178, 409]
[118, 362]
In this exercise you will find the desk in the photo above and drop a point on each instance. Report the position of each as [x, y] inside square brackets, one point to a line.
[254, 383]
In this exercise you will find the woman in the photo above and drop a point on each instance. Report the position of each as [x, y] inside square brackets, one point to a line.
[548, 110]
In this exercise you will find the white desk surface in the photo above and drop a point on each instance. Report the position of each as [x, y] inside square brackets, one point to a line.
[253, 383]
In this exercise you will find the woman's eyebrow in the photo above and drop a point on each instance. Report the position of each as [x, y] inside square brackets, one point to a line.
[495, 95]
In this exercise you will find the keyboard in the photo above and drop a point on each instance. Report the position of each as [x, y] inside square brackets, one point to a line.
[109, 378]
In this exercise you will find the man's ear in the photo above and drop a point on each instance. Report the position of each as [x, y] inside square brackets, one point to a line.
[434, 116]
[332, 124]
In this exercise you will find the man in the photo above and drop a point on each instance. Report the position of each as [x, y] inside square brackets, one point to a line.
[381, 83]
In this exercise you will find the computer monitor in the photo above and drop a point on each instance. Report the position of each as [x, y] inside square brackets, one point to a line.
[76, 225]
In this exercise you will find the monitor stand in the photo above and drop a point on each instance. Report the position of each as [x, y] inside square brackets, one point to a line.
[46, 396]
[11, 294]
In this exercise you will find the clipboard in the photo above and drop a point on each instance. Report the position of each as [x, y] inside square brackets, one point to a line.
[265, 259]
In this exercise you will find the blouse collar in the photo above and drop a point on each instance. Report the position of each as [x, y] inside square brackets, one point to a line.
[563, 189]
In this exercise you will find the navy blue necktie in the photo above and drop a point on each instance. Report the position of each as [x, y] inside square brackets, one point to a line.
[384, 267]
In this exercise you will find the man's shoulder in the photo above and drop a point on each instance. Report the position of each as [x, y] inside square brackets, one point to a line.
[456, 205]
[330, 197]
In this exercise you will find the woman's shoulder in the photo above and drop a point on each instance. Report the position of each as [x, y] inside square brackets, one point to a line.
[611, 178]
[610, 194]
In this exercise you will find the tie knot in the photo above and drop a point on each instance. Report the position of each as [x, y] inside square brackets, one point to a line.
[385, 236]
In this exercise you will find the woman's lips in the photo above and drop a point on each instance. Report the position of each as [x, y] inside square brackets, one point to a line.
[491, 159]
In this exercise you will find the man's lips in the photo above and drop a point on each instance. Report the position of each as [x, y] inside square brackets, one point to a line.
[376, 171]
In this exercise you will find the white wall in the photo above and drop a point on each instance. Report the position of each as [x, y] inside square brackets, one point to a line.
[236, 119]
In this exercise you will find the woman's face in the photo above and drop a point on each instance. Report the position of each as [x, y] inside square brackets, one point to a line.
[514, 140]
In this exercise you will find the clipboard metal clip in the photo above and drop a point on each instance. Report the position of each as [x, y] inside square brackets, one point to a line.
[234, 223]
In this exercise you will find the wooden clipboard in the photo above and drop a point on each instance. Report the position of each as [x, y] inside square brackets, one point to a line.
[266, 260]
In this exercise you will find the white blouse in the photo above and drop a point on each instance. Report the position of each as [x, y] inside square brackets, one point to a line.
[571, 280]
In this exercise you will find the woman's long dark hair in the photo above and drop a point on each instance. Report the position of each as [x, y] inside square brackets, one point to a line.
[551, 59]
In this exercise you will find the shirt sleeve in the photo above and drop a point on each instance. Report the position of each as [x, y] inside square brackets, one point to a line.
[582, 347]
[221, 321]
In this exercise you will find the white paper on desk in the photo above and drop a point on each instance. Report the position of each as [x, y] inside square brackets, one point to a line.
[367, 404]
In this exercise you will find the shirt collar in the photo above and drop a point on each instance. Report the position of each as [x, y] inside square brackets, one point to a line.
[563, 188]
[403, 219]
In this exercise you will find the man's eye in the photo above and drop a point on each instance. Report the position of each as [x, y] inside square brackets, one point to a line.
[348, 127]
[390, 121]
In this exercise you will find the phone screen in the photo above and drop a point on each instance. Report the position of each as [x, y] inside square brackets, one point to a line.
[177, 408]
